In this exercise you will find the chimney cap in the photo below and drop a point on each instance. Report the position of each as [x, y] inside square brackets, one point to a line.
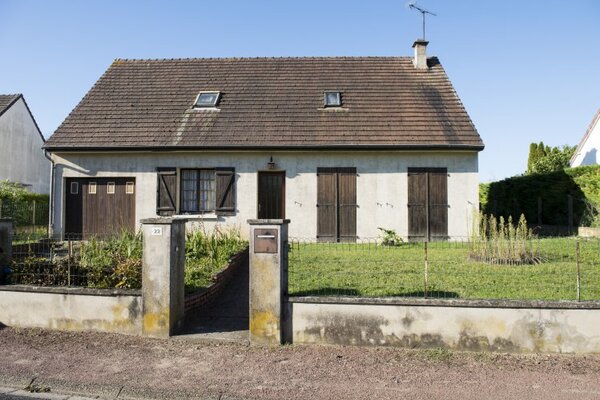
[420, 42]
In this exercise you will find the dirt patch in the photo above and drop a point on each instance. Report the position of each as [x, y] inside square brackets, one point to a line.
[140, 366]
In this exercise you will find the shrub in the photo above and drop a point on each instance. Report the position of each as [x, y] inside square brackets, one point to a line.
[389, 237]
[115, 262]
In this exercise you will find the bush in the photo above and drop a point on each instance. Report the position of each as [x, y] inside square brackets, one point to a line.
[115, 262]
[519, 195]
[206, 254]
[16, 202]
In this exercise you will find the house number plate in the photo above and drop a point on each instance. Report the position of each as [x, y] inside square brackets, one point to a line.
[265, 241]
[157, 231]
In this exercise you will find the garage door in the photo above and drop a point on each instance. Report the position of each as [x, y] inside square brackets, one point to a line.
[98, 206]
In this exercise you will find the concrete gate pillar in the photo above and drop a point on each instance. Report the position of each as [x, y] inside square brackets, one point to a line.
[268, 279]
[162, 276]
[6, 236]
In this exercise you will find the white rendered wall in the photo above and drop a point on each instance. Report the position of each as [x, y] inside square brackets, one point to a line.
[588, 153]
[21, 154]
[381, 184]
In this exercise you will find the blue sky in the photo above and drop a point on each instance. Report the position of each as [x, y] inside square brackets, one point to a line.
[525, 70]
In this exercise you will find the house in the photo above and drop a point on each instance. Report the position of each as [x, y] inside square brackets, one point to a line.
[587, 149]
[338, 145]
[21, 142]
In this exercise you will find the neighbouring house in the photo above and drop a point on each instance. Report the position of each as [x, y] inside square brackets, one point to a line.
[587, 149]
[338, 145]
[21, 142]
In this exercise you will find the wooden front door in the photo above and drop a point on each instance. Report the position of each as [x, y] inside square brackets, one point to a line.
[271, 195]
[336, 204]
[97, 206]
[427, 204]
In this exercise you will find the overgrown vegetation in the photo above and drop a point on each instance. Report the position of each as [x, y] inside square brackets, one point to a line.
[206, 254]
[498, 241]
[115, 262]
[519, 195]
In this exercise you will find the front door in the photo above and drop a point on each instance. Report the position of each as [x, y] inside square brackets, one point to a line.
[427, 204]
[271, 195]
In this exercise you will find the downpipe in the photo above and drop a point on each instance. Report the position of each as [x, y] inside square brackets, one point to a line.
[51, 205]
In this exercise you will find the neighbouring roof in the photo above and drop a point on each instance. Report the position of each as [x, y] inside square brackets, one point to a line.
[269, 103]
[7, 100]
[585, 137]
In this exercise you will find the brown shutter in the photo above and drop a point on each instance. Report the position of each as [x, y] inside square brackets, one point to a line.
[166, 191]
[438, 204]
[417, 204]
[225, 190]
[347, 204]
[327, 204]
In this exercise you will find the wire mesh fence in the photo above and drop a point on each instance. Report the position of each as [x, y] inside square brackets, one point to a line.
[539, 269]
[99, 261]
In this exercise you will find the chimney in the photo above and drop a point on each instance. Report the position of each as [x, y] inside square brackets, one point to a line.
[420, 60]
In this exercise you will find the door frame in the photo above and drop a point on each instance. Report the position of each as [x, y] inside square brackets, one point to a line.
[283, 189]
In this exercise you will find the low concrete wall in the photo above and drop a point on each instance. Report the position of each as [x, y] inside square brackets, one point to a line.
[553, 327]
[588, 232]
[71, 309]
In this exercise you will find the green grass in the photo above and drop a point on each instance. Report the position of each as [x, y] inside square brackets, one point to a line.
[380, 271]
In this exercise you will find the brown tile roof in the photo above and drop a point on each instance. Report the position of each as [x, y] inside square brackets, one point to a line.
[7, 100]
[269, 102]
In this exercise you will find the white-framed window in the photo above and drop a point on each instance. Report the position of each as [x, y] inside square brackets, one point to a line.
[198, 190]
[92, 188]
[129, 187]
[74, 188]
[207, 99]
[332, 99]
[110, 188]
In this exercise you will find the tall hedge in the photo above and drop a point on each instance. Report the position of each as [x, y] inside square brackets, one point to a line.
[519, 194]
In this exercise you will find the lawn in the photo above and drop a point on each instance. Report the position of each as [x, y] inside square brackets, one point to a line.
[370, 270]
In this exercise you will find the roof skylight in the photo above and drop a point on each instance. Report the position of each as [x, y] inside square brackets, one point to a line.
[333, 99]
[207, 99]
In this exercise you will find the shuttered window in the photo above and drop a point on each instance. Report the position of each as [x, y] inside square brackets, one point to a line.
[201, 191]
[336, 204]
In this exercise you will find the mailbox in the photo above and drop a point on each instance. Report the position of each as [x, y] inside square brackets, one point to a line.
[265, 241]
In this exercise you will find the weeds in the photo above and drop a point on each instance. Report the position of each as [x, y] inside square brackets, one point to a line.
[206, 254]
[500, 241]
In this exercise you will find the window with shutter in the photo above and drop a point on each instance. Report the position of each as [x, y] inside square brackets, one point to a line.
[166, 191]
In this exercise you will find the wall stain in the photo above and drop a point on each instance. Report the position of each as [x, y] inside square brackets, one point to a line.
[265, 325]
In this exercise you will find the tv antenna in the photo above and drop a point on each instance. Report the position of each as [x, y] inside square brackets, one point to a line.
[414, 6]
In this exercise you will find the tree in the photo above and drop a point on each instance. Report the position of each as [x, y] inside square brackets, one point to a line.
[543, 159]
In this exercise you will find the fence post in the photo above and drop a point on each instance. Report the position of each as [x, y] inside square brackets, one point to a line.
[577, 261]
[163, 262]
[33, 217]
[426, 270]
[268, 281]
[6, 237]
